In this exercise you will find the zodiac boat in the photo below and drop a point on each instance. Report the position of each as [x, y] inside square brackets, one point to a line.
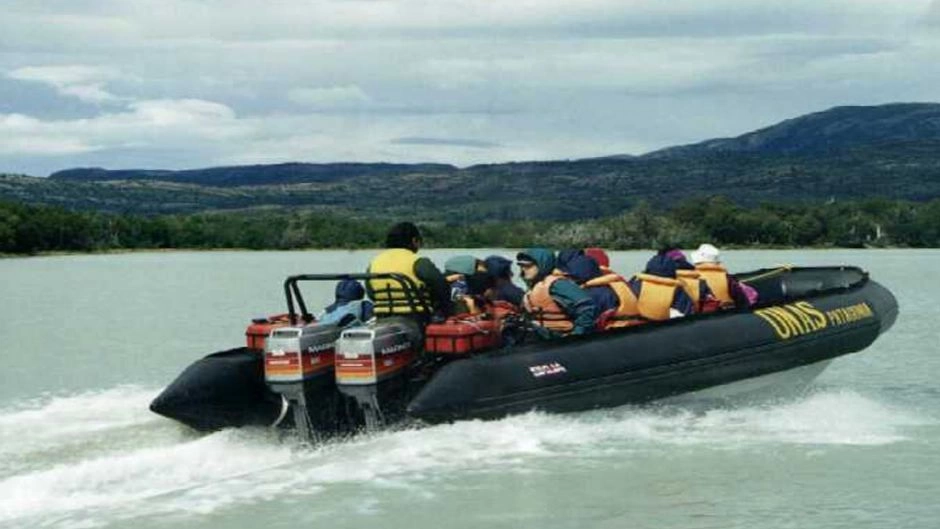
[325, 380]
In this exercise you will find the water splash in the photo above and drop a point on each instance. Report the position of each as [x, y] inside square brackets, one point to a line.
[97, 458]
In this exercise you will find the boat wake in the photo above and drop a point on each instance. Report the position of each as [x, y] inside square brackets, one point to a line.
[100, 458]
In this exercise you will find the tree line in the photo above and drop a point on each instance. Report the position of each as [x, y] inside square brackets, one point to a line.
[31, 229]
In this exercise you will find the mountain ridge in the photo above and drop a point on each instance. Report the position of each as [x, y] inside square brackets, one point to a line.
[827, 130]
[902, 163]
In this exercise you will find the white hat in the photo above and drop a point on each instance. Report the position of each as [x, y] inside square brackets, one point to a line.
[706, 253]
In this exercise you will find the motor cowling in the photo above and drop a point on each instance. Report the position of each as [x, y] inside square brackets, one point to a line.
[299, 354]
[375, 353]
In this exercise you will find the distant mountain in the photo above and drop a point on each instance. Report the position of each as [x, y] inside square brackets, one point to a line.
[889, 151]
[830, 130]
[253, 175]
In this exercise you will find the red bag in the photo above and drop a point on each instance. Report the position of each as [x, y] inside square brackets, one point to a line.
[460, 336]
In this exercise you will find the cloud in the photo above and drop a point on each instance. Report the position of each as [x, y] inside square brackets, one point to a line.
[329, 97]
[160, 123]
[174, 82]
[84, 82]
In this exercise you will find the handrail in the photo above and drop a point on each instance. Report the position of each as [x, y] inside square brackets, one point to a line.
[409, 289]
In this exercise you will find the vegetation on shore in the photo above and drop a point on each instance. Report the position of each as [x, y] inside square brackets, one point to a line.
[31, 229]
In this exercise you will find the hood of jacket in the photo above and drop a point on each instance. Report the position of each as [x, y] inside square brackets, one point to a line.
[498, 267]
[461, 264]
[581, 268]
[565, 256]
[662, 266]
[599, 255]
[347, 290]
[543, 258]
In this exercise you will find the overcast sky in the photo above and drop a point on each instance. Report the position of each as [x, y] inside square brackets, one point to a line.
[194, 83]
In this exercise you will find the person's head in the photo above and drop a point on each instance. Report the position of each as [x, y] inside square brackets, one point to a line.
[498, 267]
[661, 266]
[404, 235]
[347, 290]
[566, 255]
[678, 257]
[535, 264]
[706, 253]
[464, 265]
[581, 269]
[599, 256]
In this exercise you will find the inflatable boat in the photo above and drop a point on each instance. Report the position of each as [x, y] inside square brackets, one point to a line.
[325, 380]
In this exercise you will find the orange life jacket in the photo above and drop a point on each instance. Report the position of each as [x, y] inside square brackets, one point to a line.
[627, 312]
[691, 282]
[539, 301]
[656, 296]
[717, 278]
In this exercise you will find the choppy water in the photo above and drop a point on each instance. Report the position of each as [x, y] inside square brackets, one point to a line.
[87, 341]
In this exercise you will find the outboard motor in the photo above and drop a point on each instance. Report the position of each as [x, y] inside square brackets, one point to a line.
[298, 363]
[372, 364]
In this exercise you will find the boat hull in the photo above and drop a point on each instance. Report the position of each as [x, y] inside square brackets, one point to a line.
[222, 390]
[810, 317]
[654, 362]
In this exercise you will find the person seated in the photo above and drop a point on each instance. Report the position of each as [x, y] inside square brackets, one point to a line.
[563, 257]
[692, 282]
[727, 290]
[349, 306]
[502, 288]
[403, 242]
[557, 303]
[600, 256]
[659, 294]
[469, 281]
[616, 304]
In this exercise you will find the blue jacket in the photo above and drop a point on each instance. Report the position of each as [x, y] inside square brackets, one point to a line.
[576, 303]
[349, 306]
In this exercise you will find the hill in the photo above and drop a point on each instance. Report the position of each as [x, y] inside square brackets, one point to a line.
[890, 151]
[252, 175]
[826, 131]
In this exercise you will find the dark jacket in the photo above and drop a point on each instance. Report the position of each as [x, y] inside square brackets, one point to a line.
[500, 270]
[436, 284]
[573, 301]
[582, 269]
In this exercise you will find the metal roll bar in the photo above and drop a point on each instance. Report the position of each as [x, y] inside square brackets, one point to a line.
[410, 291]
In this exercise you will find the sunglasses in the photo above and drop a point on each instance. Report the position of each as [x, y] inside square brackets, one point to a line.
[525, 265]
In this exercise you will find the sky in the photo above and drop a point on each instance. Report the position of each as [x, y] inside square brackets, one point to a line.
[195, 83]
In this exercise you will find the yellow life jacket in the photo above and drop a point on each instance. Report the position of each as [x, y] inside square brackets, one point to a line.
[539, 302]
[627, 310]
[691, 284]
[388, 294]
[656, 295]
[717, 278]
